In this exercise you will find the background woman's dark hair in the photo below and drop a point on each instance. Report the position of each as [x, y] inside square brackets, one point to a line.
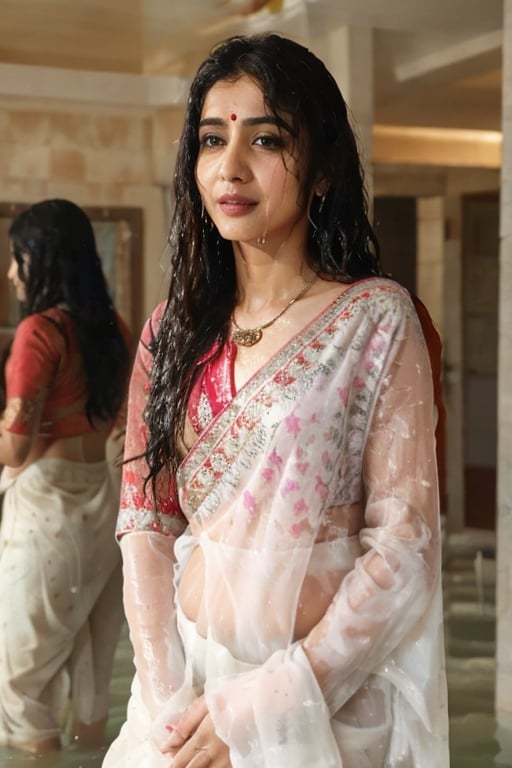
[295, 83]
[64, 268]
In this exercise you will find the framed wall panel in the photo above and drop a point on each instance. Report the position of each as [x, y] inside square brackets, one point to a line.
[119, 237]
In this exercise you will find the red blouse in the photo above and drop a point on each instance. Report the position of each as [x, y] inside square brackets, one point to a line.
[212, 391]
[45, 382]
[215, 386]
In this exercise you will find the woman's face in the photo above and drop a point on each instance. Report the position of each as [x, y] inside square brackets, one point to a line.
[248, 170]
[13, 275]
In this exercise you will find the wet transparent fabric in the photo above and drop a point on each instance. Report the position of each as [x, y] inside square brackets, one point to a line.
[315, 486]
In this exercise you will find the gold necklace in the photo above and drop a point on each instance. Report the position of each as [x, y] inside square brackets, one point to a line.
[247, 337]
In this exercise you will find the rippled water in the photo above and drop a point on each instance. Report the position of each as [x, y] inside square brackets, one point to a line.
[475, 741]
[71, 757]
[68, 758]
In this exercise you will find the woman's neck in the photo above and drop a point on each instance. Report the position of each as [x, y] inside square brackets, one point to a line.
[264, 279]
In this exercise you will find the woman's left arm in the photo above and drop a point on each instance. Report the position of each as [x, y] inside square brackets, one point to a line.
[392, 583]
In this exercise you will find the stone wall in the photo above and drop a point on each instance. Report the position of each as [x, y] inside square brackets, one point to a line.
[94, 156]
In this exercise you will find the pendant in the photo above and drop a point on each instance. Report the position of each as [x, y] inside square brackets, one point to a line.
[246, 337]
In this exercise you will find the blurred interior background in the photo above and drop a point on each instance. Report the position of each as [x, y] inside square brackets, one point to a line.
[91, 105]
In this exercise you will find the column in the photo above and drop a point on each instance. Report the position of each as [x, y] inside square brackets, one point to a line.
[348, 54]
[504, 479]
[438, 264]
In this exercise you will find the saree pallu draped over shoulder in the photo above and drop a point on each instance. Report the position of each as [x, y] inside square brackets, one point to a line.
[317, 486]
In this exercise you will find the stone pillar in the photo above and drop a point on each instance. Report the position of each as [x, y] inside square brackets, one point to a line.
[438, 281]
[429, 256]
[504, 475]
[348, 53]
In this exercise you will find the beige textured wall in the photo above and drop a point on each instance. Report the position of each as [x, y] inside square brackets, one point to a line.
[94, 156]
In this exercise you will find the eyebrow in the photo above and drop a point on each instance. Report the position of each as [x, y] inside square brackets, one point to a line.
[248, 121]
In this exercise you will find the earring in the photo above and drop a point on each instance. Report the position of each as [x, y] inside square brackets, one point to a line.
[261, 240]
[321, 205]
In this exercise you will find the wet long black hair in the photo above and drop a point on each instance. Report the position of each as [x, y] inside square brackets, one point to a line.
[202, 293]
[64, 268]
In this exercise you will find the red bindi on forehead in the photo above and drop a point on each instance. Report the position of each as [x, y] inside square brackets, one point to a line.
[232, 116]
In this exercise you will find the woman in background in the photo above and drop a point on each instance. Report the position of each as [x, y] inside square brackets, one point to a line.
[65, 381]
[279, 518]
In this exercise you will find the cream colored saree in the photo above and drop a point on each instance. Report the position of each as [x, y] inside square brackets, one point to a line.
[318, 479]
[60, 586]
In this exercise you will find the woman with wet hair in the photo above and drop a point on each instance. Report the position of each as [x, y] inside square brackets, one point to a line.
[66, 377]
[279, 518]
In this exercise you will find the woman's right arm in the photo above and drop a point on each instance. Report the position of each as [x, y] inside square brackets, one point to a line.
[148, 598]
[28, 374]
[148, 525]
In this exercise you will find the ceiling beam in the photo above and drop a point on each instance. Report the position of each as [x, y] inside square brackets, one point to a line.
[450, 57]
[110, 88]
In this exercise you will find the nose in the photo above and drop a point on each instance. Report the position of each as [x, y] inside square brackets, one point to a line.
[234, 166]
[12, 271]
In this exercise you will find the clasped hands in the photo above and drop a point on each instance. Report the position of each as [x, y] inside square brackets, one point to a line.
[192, 740]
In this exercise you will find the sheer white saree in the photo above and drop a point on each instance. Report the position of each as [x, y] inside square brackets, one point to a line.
[316, 486]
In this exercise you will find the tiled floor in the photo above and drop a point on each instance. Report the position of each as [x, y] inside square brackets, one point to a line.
[469, 582]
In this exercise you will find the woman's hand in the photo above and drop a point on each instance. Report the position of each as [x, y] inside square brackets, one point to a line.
[14, 449]
[193, 741]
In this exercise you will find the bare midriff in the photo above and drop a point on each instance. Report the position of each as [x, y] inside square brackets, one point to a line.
[87, 448]
[314, 599]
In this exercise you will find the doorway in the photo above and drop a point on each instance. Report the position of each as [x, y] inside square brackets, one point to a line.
[480, 287]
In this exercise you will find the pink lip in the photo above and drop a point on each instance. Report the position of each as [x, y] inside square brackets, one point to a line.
[235, 205]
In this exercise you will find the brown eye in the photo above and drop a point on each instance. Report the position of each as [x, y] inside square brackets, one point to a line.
[210, 140]
[270, 141]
